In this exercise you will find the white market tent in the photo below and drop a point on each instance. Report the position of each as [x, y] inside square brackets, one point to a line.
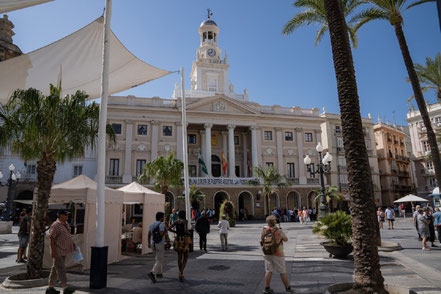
[83, 190]
[11, 5]
[411, 198]
[151, 201]
[77, 60]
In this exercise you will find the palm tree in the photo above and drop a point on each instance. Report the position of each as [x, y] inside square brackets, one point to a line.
[166, 172]
[430, 75]
[271, 182]
[315, 13]
[367, 274]
[331, 194]
[196, 196]
[50, 129]
[391, 10]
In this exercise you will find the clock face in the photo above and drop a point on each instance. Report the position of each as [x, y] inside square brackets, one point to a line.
[211, 52]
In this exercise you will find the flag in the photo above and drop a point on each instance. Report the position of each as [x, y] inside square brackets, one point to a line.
[202, 163]
[224, 164]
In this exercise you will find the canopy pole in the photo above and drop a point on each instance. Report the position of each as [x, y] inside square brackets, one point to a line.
[98, 272]
[184, 153]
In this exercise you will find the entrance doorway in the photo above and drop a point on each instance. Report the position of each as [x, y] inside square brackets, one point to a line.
[245, 202]
[311, 200]
[293, 200]
[215, 166]
[274, 202]
[219, 198]
[170, 198]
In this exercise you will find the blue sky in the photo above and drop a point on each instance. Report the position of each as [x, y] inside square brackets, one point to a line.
[275, 69]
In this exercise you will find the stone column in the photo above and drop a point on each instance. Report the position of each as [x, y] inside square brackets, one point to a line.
[155, 139]
[224, 148]
[208, 147]
[202, 149]
[245, 155]
[127, 176]
[254, 160]
[302, 168]
[279, 151]
[179, 150]
[231, 154]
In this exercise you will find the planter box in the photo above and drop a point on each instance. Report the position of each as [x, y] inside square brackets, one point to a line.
[5, 227]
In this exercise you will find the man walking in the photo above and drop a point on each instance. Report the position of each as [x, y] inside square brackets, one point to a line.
[156, 242]
[415, 222]
[437, 222]
[23, 235]
[272, 239]
[224, 226]
[203, 228]
[61, 244]
[390, 216]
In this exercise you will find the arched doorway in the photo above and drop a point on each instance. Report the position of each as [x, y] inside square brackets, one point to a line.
[245, 200]
[218, 199]
[274, 202]
[215, 166]
[311, 200]
[293, 200]
[170, 198]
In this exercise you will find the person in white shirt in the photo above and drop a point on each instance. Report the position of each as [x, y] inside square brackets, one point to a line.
[224, 226]
[390, 216]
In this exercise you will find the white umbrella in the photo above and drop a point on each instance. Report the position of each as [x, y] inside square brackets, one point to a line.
[411, 198]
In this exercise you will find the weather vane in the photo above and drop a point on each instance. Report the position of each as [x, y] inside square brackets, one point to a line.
[209, 13]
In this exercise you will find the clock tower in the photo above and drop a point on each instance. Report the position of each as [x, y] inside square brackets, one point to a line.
[209, 73]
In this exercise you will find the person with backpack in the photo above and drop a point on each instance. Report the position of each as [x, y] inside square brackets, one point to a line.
[155, 239]
[272, 239]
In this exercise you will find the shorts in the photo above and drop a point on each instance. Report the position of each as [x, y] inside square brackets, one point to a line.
[277, 262]
[390, 219]
[23, 241]
[425, 232]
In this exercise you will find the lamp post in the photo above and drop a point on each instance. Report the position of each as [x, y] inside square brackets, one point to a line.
[11, 183]
[323, 166]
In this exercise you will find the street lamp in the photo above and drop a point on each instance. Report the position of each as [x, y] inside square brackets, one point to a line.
[324, 166]
[11, 183]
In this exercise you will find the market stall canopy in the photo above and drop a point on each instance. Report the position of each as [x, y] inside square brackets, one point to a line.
[81, 190]
[411, 198]
[11, 5]
[135, 193]
[435, 192]
[77, 61]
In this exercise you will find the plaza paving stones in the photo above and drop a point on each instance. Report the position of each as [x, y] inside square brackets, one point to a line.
[241, 269]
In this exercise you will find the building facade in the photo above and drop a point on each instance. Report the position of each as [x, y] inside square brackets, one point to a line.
[332, 137]
[393, 161]
[424, 171]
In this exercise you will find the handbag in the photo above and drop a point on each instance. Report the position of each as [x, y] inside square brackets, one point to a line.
[77, 257]
[188, 240]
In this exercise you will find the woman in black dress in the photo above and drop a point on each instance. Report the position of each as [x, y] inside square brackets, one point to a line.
[431, 226]
[180, 245]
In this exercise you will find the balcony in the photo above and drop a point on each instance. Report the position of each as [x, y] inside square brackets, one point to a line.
[393, 171]
[344, 186]
[342, 168]
[293, 181]
[113, 179]
[340, 149]
[312, 181]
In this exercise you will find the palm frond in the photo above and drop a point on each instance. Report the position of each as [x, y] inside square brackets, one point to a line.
[303, 18]
[367, 16]
[418, 3]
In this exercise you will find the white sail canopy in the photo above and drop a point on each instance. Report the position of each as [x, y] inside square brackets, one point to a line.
[411, 198]
[77, 59]
[11, 5]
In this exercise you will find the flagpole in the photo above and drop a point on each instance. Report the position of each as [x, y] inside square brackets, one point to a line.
[184, 153]
[98, 265]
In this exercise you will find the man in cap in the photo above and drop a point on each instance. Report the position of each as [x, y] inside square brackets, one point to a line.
[61, 244]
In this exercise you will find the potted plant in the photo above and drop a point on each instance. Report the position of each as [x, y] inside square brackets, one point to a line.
[337, 228]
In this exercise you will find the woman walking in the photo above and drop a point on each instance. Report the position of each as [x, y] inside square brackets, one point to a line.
[181, 243]
[429, 217]
[423, 228]
[380, 215]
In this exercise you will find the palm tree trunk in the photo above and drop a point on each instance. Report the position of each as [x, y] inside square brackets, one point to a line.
[367, 274]
[46, 168]
[419, 98]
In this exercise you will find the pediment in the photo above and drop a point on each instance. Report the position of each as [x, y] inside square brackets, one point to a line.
[221, 104]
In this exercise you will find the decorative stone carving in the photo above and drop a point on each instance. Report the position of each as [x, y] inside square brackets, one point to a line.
[167, 148]
[141, 147]
[290, 152]
[269, 151]
[309, 152]
[219, 106]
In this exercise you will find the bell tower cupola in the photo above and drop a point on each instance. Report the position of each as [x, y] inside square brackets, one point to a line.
[208, 32]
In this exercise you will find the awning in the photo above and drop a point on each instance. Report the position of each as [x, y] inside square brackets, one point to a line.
[435, 192]
[11, 5]
[77, 59]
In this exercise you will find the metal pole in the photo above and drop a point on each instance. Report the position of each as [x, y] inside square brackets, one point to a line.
[323, 208]
[9, 203]
[184, 153]
[98, 273]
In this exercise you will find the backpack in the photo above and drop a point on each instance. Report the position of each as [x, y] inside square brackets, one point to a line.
[157, 234]
[268, 242]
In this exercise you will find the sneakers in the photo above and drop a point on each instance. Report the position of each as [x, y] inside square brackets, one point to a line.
[268, 291]
[51, 290]
[289, 290]
[152, 277]
[425, 249]
[159, 276]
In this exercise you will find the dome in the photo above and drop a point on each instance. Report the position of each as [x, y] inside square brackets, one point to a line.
[208, 22]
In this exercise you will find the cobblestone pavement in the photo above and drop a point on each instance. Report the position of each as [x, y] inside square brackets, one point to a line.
[241, 269]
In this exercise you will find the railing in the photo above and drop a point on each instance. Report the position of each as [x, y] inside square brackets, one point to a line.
[293, 181]
[312, 181]
[344, 186]
[342, 168]
[28, 178]
[393, 171]
[113, 179]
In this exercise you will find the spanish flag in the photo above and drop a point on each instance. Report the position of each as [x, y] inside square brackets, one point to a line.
[224, 164]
